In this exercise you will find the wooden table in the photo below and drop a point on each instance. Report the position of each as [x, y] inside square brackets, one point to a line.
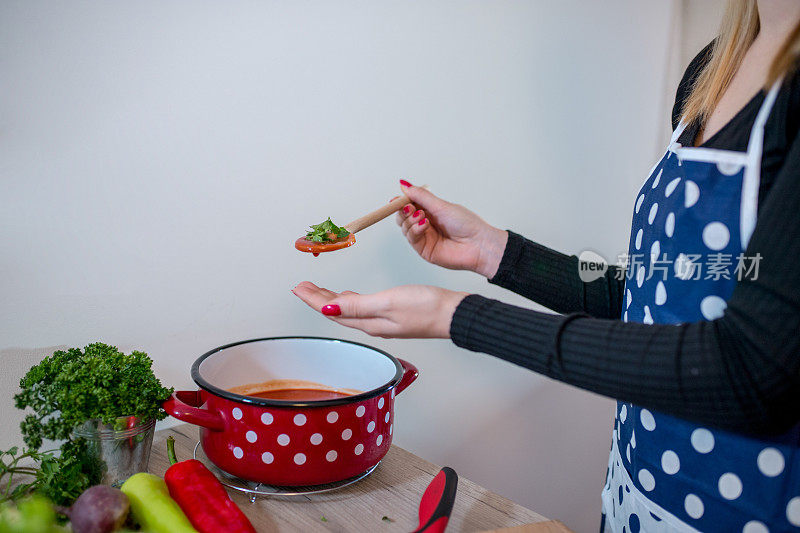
[393, 490]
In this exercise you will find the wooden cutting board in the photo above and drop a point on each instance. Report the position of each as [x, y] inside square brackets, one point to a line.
[393, 490]
[549, 526]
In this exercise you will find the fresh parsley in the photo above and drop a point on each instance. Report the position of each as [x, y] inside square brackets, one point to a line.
[326, 232]
[69, 388]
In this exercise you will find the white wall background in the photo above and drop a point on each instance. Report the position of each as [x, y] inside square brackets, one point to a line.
[157, 160]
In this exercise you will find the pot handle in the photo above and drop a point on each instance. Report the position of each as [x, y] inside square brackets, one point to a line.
[410, 373]
[183, 405]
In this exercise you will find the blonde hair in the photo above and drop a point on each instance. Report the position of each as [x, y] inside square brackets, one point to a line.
[738, 29]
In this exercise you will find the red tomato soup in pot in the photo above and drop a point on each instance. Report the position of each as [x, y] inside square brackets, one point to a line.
[292, 390]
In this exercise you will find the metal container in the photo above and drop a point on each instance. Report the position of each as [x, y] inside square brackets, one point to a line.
[121, 449]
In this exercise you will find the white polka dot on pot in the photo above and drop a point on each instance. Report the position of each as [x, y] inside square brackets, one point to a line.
[360, 410]
[315, 439]
[716, 235]
[251, 436]
[647, 480]
[712, 307]
[629, 298]
[267, 458]
[332, 417]
[238, 452]
[770, 462]
[299, 458]
[347, 433]
[380, 403]
[371, 427]
[237, 413]
[793, 511]
[694, 506]
[702, 440]
[386, 418]
[639, 202]
[391, 426]
[623, 413]
[331, 456]
[730, 486]
[299, 419]
[640, 276]
[283, 439]
[359, 449]
[379, 440]
[638, 240]
[266, 419]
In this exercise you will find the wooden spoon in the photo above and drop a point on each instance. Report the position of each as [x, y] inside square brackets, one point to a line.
[316, 248]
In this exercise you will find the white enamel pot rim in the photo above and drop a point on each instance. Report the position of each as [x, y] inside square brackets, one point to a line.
[401, 370]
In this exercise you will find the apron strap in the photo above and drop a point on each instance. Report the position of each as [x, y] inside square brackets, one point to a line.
[752, 170]
[678, 131]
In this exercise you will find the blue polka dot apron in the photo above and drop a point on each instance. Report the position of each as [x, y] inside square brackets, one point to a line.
[697, 209]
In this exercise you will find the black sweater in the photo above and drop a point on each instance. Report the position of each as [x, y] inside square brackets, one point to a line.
[740, 372]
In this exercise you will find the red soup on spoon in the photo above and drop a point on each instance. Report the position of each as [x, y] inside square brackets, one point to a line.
[327, 236]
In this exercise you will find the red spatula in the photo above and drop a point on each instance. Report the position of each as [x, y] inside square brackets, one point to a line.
[437, 502]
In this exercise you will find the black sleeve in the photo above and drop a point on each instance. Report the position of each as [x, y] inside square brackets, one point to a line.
[551, 279]
[739, 372]
[687, 82]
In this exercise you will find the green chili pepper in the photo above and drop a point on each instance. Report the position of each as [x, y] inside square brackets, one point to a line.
[152, 505]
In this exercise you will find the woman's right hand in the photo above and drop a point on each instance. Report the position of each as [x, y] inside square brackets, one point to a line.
[450, 235]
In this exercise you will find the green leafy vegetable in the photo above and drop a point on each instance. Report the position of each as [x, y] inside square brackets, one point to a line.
[69, 388]
[326, 232]
[13, 463]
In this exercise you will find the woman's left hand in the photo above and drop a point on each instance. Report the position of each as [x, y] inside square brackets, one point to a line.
[408, 311]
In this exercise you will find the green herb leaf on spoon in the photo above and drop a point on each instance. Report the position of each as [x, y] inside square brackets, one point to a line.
[326, 231]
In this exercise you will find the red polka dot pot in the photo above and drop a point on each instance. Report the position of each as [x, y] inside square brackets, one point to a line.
[290, 443]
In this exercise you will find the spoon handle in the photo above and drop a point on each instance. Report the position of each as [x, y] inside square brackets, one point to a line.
[379, 214]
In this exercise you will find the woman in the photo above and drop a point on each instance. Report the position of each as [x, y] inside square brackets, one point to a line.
[705, 361]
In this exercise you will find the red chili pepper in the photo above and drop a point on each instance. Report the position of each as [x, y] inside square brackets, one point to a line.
[202, 497]
[131, 424]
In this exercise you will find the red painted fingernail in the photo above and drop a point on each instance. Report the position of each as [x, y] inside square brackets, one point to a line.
[416, 213]
[331, 310]
[404, 183]
[407, 210]
[393, 199]
[421, 222]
